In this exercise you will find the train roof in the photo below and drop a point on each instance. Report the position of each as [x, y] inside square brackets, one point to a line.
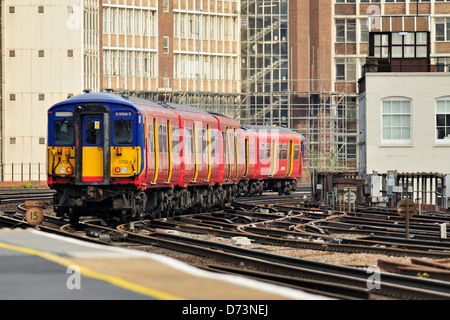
[95, 97]
[258, 128]
[128, 100]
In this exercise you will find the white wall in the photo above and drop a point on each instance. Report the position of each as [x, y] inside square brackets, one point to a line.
[424, 153]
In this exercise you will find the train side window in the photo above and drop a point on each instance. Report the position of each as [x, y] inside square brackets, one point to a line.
[150, 138]
[204, 142]
[93, 132]
[268, 151]
[232, 145]
[63, 132]
[160, 139]
[285, 151]
[280, 151]
[262, 150]
[225, 146]
[296, 151]
[175, 139]
[191, 141]
[123, 131]
[213, 142]
[166, 141]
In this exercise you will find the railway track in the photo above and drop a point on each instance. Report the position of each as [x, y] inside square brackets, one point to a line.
[276, 227]
[20, 195]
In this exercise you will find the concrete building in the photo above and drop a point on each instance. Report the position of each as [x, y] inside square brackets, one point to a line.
[407, 122]
[182, 51]
[47, 54]
[404, 120]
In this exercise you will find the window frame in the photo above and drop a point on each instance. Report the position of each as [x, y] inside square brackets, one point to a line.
[400, 141]
[447, 113]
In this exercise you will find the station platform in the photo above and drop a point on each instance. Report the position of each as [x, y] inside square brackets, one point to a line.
[39, 266]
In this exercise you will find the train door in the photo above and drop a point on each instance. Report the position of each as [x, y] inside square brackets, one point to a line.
[92, 143]
[246, 157]
[163, 163]
[189, 156]
[93, 148]
[207, 149]
[226, 155]
[290, 156]
[195, 135]
[153, 149]
[273, 158]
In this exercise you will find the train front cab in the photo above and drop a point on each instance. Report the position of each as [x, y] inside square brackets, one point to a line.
[94, 156]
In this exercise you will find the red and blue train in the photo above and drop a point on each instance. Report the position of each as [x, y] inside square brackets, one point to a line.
[122, 157]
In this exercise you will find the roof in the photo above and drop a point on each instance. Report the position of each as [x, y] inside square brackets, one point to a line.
[92, 97]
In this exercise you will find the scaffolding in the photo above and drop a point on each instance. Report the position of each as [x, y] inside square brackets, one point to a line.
[327, 120]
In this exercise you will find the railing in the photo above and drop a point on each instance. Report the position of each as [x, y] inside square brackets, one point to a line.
[432, 64]
[11, 172]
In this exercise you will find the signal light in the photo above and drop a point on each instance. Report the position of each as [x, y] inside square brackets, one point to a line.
[117, 170]
[69, 170]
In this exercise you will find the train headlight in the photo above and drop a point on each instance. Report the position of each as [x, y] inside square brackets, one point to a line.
[62, 170]
[124, 169]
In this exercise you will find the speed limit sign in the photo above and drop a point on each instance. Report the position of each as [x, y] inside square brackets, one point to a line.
[34, 216]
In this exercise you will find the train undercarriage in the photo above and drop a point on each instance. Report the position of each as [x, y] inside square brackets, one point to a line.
[255, 187]
[125, 203]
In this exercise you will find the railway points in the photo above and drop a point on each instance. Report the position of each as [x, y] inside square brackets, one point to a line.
[284, 242]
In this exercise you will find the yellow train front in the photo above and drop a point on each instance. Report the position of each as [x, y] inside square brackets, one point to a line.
[95, 152]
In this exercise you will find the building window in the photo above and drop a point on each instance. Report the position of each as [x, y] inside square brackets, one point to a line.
[364, 27]
[41, 53]
[396, 120]
[40, 9]
[345, 30]
[166, 45]
[409, 45]
[165, 5]
[345, 69]
[442, 29]
[443, 120]
[381, 45]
